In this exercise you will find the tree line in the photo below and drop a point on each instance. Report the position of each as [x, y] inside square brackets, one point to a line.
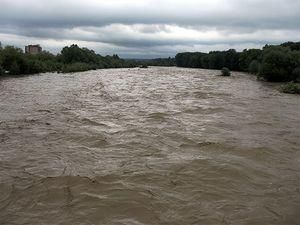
[166, 62]
[71, 59]
[277, 63]
[272, 63]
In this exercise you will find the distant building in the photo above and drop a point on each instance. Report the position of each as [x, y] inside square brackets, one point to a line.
[33, 49]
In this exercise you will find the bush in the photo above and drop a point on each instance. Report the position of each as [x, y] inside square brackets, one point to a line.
[14, 69]
[2, 72]
[76, 67]
[225, 72]
[276, 66]
[36, 66]
[291, 88]
[254, 67]
[296, 74]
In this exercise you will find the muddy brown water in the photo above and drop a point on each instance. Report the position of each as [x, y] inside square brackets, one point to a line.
[157, 146]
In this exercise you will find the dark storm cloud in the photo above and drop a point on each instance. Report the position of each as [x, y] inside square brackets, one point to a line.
[43, 13]
[150, 23]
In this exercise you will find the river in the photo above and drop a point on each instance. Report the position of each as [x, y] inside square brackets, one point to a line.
[157, 146]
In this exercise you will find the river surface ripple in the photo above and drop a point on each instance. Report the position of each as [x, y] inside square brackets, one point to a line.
[157, 146]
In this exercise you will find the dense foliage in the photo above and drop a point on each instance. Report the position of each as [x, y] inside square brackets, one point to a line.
[211, 60]
[294, 46]
[296, 74]
[156, 62]
[71, 59]
[1, 70]
[276, 64]
[272, 63]
[162, 62]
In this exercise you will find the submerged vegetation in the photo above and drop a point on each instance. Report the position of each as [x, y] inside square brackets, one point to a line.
[71, 59]
[291, 88]
[225, 72]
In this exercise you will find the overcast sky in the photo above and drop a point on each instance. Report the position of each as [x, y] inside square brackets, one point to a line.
[149, 28]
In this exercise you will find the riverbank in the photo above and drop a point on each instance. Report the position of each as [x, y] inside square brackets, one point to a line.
[273, 63]
[71, 59]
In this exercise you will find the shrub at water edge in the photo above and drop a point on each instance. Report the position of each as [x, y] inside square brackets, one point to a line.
[296, 74]
[77, 67]
[1, 71]
[291, 88]
[254, 67]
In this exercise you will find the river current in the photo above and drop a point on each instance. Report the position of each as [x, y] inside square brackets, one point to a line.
[157, 146]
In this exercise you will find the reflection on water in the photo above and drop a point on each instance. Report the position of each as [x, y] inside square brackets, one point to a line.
[154, 146]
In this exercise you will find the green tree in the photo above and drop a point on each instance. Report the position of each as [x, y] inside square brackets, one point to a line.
[232, 59]
[11, 55]
[75, 54]
[294, 46]
[14, 68]
[276, 65]
[1, 70]
[254, 67]
[247, 56]
[296, 74]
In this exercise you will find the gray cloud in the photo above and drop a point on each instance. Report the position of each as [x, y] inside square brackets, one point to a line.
[124, 26]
